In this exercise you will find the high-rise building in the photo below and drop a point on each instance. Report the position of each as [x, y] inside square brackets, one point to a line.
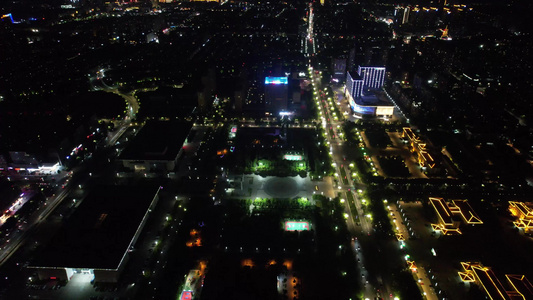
[373, 77]
[207, 89]
[276, 94]
[401, 14]
[354, 84]
[338, 67]
[406, 12]
[351, 60]
[239, 96]
[241, 89]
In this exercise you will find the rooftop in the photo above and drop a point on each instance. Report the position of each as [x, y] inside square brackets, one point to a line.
[490, 283]
[373, 98]
[447, 212]
[466, 211]
[355, 76]
[443, 212]
[521, 285]
[98, 234]
[407, 131]
[524, 213]
[158, 140]
[518, 286]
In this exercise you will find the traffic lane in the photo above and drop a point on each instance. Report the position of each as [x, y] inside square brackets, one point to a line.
[334, 143]
[425, 284]
[18, 239]
[367, 227]
[369, 288]
[353, 228]
[395, 216]
[384, 288]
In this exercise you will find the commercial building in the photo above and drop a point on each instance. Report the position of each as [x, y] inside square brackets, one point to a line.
[157, 146]
[364, 95]
[401, 14]
[27, 164]
[450, 215]
[518, 286]
[338, 67]
[374, 103]
[373, 77]
[366, 79]
[354, 85]
[276, 94]
[97, 238]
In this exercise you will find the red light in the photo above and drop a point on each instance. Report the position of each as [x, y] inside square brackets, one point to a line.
[53, 278]
[186, 295]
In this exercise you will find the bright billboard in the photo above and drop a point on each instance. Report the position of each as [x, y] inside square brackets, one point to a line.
[276, 80]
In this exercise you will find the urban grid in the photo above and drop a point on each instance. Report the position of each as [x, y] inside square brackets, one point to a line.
[266, 149]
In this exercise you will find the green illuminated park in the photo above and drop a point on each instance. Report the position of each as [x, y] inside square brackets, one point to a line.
[272, 151]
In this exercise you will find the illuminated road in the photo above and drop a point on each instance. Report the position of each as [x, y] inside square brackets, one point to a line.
[308, 42]
[357, 222]
[17, 239]
[97, 83]
[331, 124]
[424, 283]
[115, 135]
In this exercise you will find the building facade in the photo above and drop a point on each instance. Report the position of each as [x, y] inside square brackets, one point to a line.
[354, 84]
[373, 77]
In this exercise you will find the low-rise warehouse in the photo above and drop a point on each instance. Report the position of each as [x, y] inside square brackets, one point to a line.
[157, 147]
[97, 238]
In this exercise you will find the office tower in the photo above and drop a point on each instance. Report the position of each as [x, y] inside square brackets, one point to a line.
[276, 94]
[373, 77]
[354, 84]
[351, 60]
[338, 67]
[207, 89]
[401, 14]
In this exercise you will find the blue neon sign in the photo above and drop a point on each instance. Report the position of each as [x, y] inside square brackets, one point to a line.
[276, 80]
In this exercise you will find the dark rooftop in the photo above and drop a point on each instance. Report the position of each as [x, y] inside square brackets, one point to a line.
[373, 98]
[168, 103]
[355, 75]
[98, 234]
[158, 140]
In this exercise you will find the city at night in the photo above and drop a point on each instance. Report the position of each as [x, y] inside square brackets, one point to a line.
[266, 150]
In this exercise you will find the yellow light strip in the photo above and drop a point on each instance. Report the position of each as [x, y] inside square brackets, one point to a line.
[514, 286]
[467, 276]
[444, 207]
[487, 273]
[464, 208]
